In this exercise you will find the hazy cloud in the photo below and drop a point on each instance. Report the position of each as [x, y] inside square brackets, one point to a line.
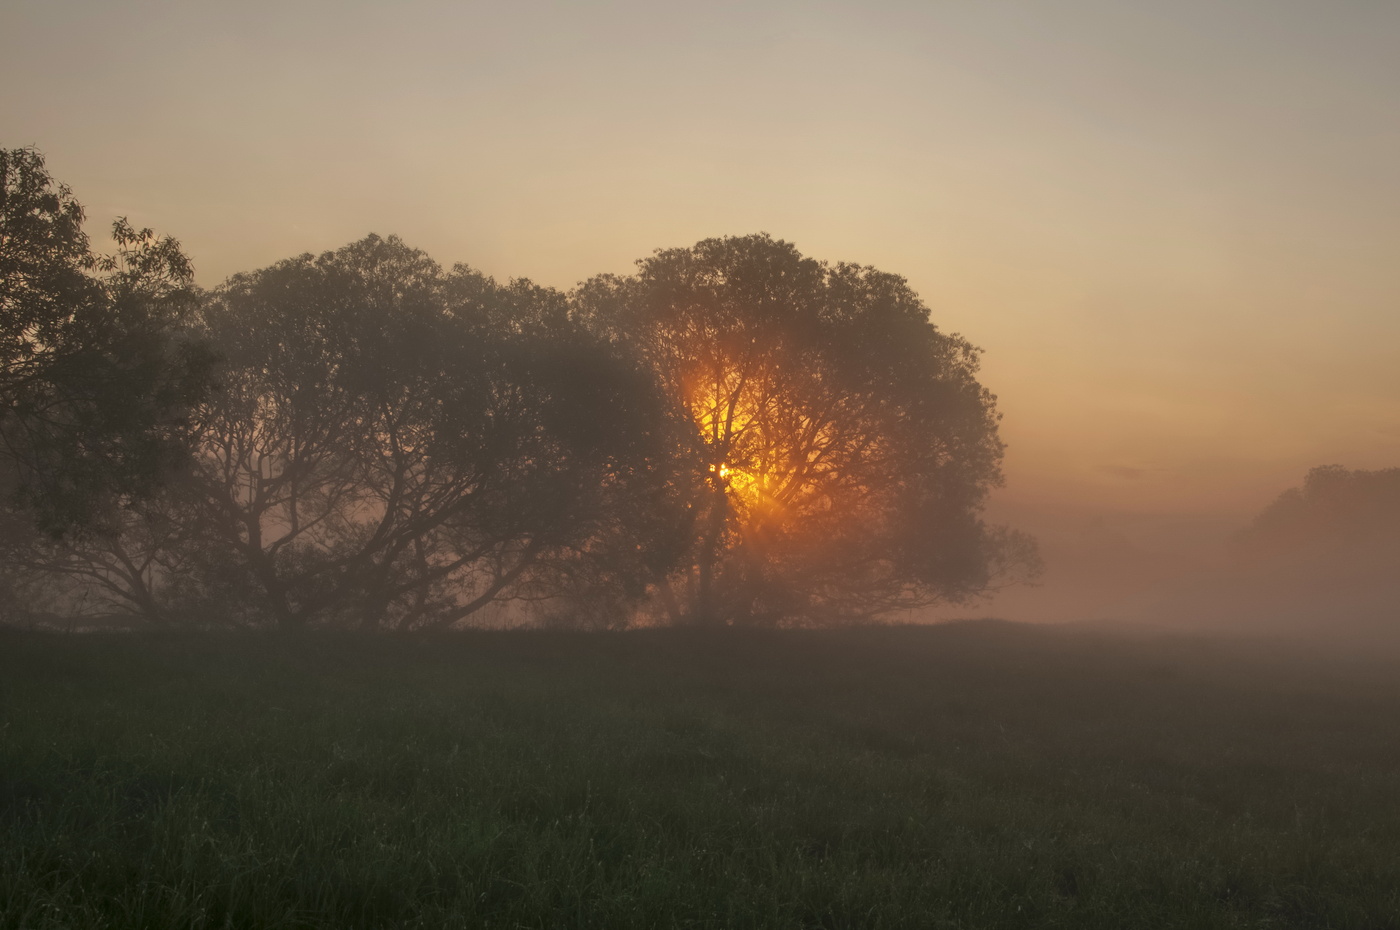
[1128, 472]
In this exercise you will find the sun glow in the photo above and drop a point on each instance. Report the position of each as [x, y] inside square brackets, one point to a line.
[738, 408]
[739, 482]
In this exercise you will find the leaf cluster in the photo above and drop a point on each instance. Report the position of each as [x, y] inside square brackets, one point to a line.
[95, 380]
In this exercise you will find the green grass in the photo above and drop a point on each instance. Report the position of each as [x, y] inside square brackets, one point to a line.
[974, 775]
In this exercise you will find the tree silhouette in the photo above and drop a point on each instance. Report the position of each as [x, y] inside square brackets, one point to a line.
[845, 444]
[735, 434]
[94, 381]
[393, 446]
[1336, 509]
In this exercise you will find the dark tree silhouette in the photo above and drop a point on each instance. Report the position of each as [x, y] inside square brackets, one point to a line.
[393, 446]
[1336, 510]
[1321, 558]
[94, 382]
[846, 445]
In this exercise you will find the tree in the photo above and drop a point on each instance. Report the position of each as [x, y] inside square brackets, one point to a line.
[94, 378]
[845, 444]
[1337, 510]
[393, 446]
[1323, 558]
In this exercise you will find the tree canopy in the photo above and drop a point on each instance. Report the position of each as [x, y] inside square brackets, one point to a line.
[734, 434]
[845, 443]
[94, 380]
[1336, 509]
[396, 446]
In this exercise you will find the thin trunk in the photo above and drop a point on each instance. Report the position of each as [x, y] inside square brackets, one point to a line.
[707, 606]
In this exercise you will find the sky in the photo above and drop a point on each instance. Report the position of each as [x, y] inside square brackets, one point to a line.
[1172, 227]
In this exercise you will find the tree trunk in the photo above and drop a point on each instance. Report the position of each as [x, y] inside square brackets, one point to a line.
[708, 610]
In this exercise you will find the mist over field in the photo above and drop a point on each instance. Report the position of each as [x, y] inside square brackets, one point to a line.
[1321, 559]
[1321, 562]
[974, 775]
[647, 464]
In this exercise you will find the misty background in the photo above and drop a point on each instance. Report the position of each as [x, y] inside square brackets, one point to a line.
[1170, 227]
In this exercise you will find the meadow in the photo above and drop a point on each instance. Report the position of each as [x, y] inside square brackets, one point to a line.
[965, 775]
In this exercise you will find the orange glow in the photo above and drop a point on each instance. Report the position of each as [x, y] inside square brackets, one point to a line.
[725, 407]
[744, 410]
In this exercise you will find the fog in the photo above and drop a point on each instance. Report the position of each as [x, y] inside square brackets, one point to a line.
[1171, 227]
[1321, 562]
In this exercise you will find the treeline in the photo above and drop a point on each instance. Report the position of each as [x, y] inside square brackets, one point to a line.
[735, 434]
[1336, 511]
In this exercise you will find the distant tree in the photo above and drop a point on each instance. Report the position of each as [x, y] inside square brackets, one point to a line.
[393, 446]
[845, 445]
[94, 377]
[1336, 509]
[1322, 558]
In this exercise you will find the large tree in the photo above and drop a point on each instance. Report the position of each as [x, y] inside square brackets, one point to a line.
[396, 446]
[94, 378]
[845, 442]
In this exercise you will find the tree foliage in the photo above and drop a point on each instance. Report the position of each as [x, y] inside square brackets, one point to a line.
[845, 442]
[736, 433]
[395, 446]
[94, 381]
[1336, 510]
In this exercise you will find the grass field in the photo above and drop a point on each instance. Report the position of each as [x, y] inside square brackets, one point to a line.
[970, 775]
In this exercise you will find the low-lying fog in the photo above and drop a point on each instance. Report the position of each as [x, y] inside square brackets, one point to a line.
[1323, 558]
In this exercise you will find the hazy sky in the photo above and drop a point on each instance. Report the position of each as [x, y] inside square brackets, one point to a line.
[1173, 226]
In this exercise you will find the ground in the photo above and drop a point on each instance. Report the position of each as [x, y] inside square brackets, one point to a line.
[967, 775]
